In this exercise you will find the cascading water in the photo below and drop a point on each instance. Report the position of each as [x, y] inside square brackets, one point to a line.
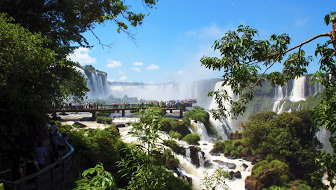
[200, 129]
[210, 164]
[298, 92]
[97, 83]
[213, 105]
[278, 104]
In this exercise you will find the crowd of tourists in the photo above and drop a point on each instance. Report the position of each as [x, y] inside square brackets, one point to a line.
[37, 159]
[96, 105]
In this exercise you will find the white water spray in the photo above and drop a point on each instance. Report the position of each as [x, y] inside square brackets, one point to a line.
[298, 92]
[279, 97]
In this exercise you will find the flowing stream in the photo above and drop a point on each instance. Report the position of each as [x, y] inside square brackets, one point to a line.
[205, 164]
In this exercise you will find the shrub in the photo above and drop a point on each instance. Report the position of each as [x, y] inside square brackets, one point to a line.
[174, 146]
[112, 129]
[218, 147]
[105, 120]
[175, 135]
[271, 173]
[300, 185]
[199, 114]
[192, 139]
[103, 114]
[172, 124]
[64, 129]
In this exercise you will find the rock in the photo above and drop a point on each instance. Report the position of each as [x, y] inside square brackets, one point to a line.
[245, 166]
[231, 165]
[195, 157]
[250, 183]
[227, 164]
[207, 164]
[247, 153]
[235, 135]
[214, 154]
[121, 125]
[231, 175]
[188, 179]
[80, 125]
[205, 144]
[257, 158]
[219, 162]
[237, 175]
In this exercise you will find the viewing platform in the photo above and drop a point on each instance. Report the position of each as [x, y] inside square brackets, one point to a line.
[120, 108]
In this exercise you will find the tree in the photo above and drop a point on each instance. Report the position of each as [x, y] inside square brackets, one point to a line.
[64, 21]
[32, 79]
[145, 172]
[96, 178]
[242, 57]
[35, 38]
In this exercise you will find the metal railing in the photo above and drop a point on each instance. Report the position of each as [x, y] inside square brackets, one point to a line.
[45, 178]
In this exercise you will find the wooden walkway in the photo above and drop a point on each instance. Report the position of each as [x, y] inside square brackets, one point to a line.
[53, 176]
[112, 109]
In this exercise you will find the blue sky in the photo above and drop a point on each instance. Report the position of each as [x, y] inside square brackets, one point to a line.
[177, 33]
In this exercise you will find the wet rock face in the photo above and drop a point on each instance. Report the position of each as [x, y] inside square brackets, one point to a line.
[81, 125]
[245, 166]
[188, 179]
[196, 156]
[216, 152]
[235, 175]
[208, 164]
[250, 183]
[121, 125]
[227, 164]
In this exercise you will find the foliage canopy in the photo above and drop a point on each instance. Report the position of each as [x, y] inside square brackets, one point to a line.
[243, 57]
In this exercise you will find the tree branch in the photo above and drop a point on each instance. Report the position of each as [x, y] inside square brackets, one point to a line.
[305, 42]
[99, 41]
[311, 39]
[298, 46]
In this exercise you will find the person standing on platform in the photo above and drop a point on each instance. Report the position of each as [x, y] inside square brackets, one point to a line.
[41, 154]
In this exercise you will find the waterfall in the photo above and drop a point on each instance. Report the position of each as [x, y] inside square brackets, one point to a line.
[188, 154]
[230, 94]
[323, 136]
[200, 129]
[218, 125]
[213, 105]
[201, 159]
[277, 106]
[222, 127]
[97, 83]
[298, 92]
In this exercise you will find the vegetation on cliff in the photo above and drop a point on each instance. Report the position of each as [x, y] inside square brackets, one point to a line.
[244, 56]
[286, 143]
[199, 114]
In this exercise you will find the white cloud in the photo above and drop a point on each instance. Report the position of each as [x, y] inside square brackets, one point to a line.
[136, 69]
[121, 73]
[123, 78]
[179, 73]
[113, 64]
[153, 67]
[138, 63]
[82, 56]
